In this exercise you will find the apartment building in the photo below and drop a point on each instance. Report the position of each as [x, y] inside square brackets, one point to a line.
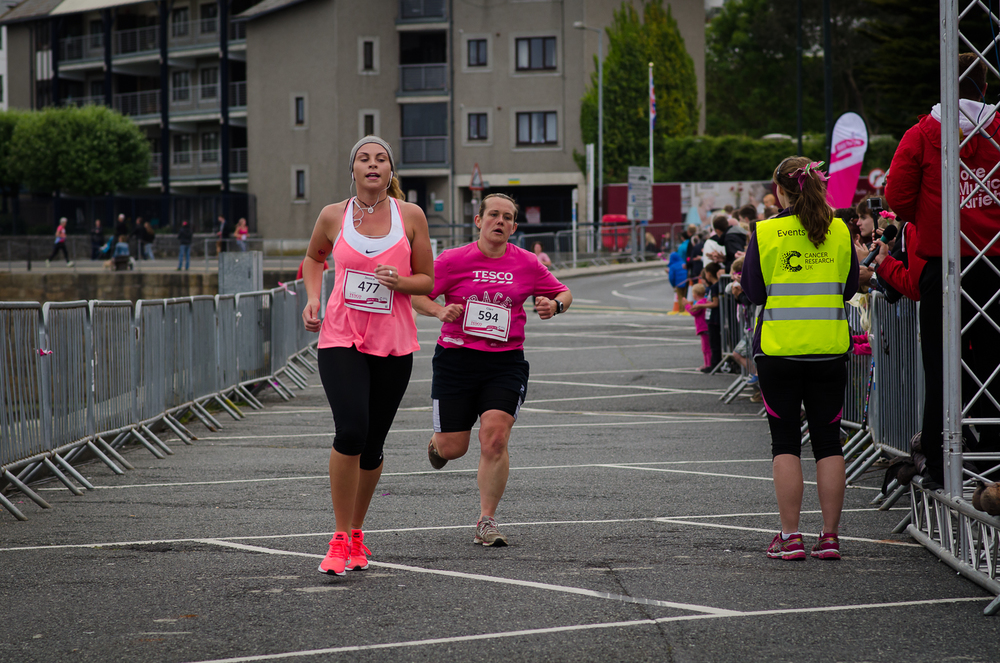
[451, 85]
[177, 69]
[5, 5]
[267, 97]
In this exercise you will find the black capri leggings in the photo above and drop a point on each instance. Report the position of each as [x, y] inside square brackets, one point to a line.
[787, 384]
[364, 393]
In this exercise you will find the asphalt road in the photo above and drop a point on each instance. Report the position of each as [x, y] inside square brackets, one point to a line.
[638, 510]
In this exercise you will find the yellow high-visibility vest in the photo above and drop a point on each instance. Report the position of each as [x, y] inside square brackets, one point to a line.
[804, 313]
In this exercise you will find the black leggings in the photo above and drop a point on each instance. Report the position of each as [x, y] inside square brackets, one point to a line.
[59, 246]
[787, 384]
[364, 393]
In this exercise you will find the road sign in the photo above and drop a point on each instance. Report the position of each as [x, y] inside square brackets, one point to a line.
[877, 178]
[640, 194]
[476, 182]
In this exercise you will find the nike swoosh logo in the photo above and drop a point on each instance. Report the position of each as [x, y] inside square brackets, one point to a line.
[367, 251]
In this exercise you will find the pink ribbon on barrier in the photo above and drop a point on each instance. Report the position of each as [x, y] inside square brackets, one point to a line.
[284, 286]
[44, 353]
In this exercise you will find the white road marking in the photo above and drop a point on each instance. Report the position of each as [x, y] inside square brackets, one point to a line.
[716, 474]
[588, 627]
[682, 521]
[618, 294]
[579, 591]
[708, 392]
[433, 528]
[654, 279]
[615, 386]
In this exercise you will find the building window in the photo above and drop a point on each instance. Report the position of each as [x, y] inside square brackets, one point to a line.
[210, 147]
[536, 54]
[96, 34]
[300, 184]
[181, 86]
[209, 83]
[477, 53]
[182, 149]
[369, 124]
[300, 111]
[368, 56]
[537, 128]
[477, 126]
[209, 18]
[97, 89]
[179, 19]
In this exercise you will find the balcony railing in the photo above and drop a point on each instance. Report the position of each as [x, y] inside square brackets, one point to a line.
[238, 94]
[414, 10]
[143, 40]
[199, 163]
[86, 47]
[139, 40]
[97, 100]
[423, 77]
[138, 103]
[425, 151]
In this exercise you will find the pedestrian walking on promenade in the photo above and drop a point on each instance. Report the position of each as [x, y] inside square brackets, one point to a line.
[382, 255]
[479, 366]
[800, 269]
[60, 243]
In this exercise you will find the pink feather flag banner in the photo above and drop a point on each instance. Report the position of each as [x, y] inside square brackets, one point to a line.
[850, 142]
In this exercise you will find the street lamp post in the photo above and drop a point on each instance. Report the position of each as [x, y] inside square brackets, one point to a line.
[600, 117]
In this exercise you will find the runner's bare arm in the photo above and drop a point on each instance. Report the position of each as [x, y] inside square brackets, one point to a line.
[426, 306]
[320, 245]
[546, 308]
[421, 256]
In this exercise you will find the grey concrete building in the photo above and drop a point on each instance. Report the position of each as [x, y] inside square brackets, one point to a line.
[451, 85]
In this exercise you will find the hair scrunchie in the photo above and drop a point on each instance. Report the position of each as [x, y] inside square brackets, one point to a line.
[806, 171]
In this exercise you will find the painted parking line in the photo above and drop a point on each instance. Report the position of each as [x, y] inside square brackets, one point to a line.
[587, 627]
[579, 591]
[435, 528]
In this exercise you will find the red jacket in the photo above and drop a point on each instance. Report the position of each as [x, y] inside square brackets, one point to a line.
[913, 188]
[892, 271]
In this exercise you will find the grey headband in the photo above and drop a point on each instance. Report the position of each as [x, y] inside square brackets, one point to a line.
[377, 141]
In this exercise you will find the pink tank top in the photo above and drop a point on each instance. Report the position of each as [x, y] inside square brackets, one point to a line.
[360, 311]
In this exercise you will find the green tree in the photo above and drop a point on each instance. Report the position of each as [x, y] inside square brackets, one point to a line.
[633, 45]
[91, 151]
[751, 61]
[8, 182]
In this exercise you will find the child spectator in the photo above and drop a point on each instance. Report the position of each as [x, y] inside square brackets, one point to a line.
[700, 324]
[711, 276]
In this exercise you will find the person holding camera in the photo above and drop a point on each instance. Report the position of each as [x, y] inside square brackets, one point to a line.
[914, 191]
[800, 269]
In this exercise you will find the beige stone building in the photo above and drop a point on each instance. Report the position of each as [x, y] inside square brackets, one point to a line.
[451, 85]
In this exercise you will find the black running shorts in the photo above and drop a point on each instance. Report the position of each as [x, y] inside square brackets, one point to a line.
[467, 383]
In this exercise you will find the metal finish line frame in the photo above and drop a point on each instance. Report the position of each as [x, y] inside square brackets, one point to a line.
[945, 522]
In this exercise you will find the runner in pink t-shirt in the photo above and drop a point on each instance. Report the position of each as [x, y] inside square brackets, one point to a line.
[479, 365]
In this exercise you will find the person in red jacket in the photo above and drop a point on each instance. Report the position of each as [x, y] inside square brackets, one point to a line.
[905, 278]
[913, 189]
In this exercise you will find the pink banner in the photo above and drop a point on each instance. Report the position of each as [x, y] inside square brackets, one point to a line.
[850, 142]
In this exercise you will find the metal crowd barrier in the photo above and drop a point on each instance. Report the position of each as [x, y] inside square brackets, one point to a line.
[81, 379]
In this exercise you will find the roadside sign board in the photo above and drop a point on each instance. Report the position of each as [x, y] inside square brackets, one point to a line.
[640, 194]
[476, 182]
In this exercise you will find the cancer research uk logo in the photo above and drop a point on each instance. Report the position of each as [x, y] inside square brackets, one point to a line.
[786, 261]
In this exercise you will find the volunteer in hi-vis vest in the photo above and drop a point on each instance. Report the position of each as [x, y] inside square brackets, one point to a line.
[800, 269]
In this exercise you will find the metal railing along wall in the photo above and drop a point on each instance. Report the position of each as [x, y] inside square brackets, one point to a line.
[76, 375]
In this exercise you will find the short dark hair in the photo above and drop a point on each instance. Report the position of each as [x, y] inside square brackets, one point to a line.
[748, 212]
[720, 223]
[973, 86]
[846, 214]
[713, 268]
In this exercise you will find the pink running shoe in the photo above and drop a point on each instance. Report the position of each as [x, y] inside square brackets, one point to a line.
[828, 547]
[358, 561]
[792, 549]
[336, 560]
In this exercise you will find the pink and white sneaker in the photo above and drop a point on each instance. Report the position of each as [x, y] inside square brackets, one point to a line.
[335, 562]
